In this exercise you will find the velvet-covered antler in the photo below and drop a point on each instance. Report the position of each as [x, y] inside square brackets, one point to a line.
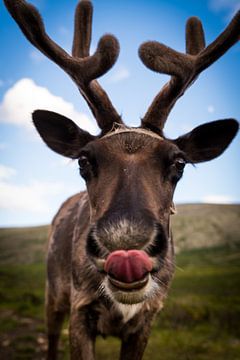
[81, 67]
[183, 68]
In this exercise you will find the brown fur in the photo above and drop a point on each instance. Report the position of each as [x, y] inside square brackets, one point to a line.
[113, 215]
[92, 313]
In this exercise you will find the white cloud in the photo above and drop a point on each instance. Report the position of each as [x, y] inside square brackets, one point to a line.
[25, 96]
[230, 7]
[218, 199]
[211, 109]
[120, 74]
[33, 197]
[6, 172]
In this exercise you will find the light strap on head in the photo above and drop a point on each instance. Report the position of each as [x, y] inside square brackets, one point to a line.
[121, 128]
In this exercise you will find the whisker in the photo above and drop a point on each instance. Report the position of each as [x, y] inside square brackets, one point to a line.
[166, 260]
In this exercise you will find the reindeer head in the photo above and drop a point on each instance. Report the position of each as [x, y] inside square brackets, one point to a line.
[130, 173]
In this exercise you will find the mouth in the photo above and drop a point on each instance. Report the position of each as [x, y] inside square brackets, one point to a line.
[128, 287]
[128, 276]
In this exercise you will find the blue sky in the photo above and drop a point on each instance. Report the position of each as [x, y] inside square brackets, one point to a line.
[34, 181]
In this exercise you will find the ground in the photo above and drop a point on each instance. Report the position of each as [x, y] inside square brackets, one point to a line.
[201, 317]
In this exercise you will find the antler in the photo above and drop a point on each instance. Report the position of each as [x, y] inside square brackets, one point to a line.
[183, 68]
[81, 67]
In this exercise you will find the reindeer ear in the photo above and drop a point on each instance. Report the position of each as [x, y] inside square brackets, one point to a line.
[208, 141]
[61, 134]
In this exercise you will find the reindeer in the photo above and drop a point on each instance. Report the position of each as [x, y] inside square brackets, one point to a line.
[111, 256]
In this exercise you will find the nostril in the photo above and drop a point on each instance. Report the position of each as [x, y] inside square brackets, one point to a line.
[93, 247]
[128, 266]
[159, 244]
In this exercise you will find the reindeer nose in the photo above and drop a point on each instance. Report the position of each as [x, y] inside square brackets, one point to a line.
[128, 266]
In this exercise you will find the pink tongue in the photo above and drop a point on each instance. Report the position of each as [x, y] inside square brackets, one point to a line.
[128, 266]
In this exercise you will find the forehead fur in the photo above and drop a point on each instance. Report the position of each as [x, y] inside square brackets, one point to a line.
[131, 140]
[119, 128]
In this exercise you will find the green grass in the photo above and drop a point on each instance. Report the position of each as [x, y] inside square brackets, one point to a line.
[202, 314]
[201, 317]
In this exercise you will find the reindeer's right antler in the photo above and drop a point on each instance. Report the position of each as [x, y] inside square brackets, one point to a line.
[183, 68]
[81, 67]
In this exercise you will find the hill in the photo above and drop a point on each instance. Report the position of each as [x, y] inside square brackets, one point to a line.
[194, 226]
[206, 225]
[202, 313]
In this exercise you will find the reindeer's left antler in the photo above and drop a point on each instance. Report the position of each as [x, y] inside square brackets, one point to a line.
[183, 68]
[81, 67]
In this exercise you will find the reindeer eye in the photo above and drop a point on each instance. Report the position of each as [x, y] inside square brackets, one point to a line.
[84, 167]
[177, 168]
[83, 162]
[180, 164]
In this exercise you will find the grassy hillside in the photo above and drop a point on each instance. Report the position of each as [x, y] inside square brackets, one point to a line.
[203, 225]
[202, 314]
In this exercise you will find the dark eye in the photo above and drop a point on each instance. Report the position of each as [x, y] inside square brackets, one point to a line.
[83, 162]
[179, 164]
[84, 167]
[177, 168]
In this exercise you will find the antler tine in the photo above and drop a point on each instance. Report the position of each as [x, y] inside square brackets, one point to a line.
[93, 93]
[221, 45]
[31, 24]
[195, 39]
[83, 69]
[82, 29]
[165, 60]
[183, 68]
